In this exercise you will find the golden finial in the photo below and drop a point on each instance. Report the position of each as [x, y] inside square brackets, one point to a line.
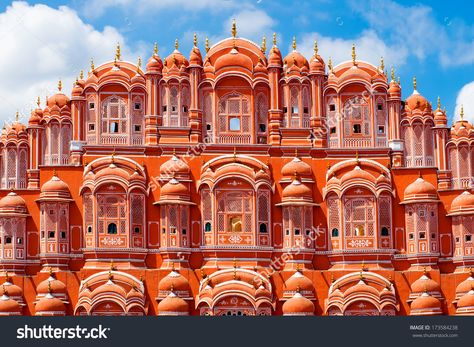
[234, 29]
[7, 277]
[315, 48]
[361, 276]
[51, 268]
[92, 64]
[203, 274]
[298, 288]
[424, 270]
[81, 74]
[398, 81]
[139, 63]
[60, 85]
[294, 43]
[357, 157]
[470, 272]
[207, 44]
[274, 39]
[235, 154]
[332, 278]
[330, 64]
[110, 274]
[462, 112]
[392, 74]
[155, 48]
[362, 266]
[176, 44]
[298, 267]
[382, 64]
[49, 287]
[296, 152]
[439, 103]
[17, 116]
[55, 174]
[172, 288]
[38, 101]
[264, 45]
[414, 83]
[195, 40]
[113, 160]
[354, 54]
[117, 51]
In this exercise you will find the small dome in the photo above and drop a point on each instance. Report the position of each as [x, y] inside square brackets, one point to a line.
[77, 89]
[361, 287]
[467, 300]
[299, 282]
[357, 173]
[154, 64]
[109, 288]
[12, 290]
[298, 305]
[51, 285]
[316, 64]
[462, 128]
[195, 57]
[297, 190]
[173, 305]
[296, 59]
[296, 166]
[12, 203]
[176, 59]
[466, 285]
[9, 306]
[36, 116]
[232, 60]
[55, 187]
[274, 59]
[174, 166]
[59, 99]
[463, 203]
[138, 78]
[175, 282]
[425, 302]
[49, 305]
[260, 67]
[417, 102]
[174, 188]
[394, 89]
[425, 284]
[420, 190]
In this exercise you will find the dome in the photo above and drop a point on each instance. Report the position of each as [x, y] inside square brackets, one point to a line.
[425, 284]
[51, 285]
[260, 67]
[296, 166]
[417, 102]
[462, 128]
[299, 282]
[296, 59]
[115, 73]
[154, 64]
[174, 188]
[361, 287]
[108, 288]
[195, 57]
[77, 89]
[12, 203]
[394, 89]
[176, 59]
[467, 300]
[298, 305]
[8, 306]
[11, 289]
[138, 78]
[174, 166]
[357, 173]
[55, 187]
[234, 59]
[420, 190]
[425, 302]
[297, 190]
[274, 59]
[50, 305]
[36, 116]
[173, 305]
[463, 203]
[59, 99]
[466, 285]
[175, 282]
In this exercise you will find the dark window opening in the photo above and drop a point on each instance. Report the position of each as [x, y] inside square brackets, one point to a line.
[164, 108]
[63, 234]
[89, 229]
[287, 232]
[332, 130]
[262, 127]
[185, 109]
[308, 232]
[136, 230]
[183, 231]
[114, 128]
[42, 234]
[137, 128]
[173, 108]
[433, 236]
[285, 109]
[138, 106]
[52, 234]
[19, 240]
[335, 232]
[458, 239]
[332, 107]
[208, 127]
[468, 238]
[173, 230]
[91, 126]
[384, 231]
[297, 232]
[380, 107]
[207, 227]
[263, 228]
[91, 105]
[8, 240]
[356, 129]
[381, 130]
[305, 110]
[163, 230]
[422, 235]
[411, 236]
[112, 228]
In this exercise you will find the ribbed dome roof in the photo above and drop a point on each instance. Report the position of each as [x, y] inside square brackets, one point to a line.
[173, 305]
[9, 306]
[12, 203]
[299, 282]
[424, 283]
[297, 190]
[298, 305]
[175, 282]
[425, 302]
[296, 166]
[420, 190]
[463, 203]
[467, 300]
[50, 304]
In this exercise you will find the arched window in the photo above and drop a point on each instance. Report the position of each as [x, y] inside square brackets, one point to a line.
[356, 123]
[114, 124]
[335, 232]
[261, 107]
[263, 228]
[112, 228]
[234, 119]
[207, 227]
[384, 231]
[294, 108]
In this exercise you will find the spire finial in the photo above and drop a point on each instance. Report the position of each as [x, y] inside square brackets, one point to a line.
[195, 40]
[139, 64]
[392, 74]
[207, 44]
[264, 45]
[382, 64]
[113, 158]
[296, 152]
[354, 56]
[462, 112]
[470, 272]
[81, 74]
[55, 174]
[49, 287]
[60, 85]
[439, 103]
[92, 64]
[274, 39]
[118, 52]
[414, 83]
[38, 101]
[234, 29]
[357, 157]
[315, 48]
[294, 43]
[155, 48]
[17, 116]
[176, 44]
[330, 64]
[7, 277]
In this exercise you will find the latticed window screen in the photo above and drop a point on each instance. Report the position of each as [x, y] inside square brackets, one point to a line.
[138, 209]
[408, 137]
[429, 147]
[65, 139]
[234, 205]
[88, 209]
[463, 162]
[306, 107]
[114, 116]
[356, 115]
[207, 112]
[112, 209]
[385, 216]
[11, 164]
[294, 110]
[418, 140]
[410, 219]
[137, 114]
[334, 214]
[54, 139]
[359, 217]
[453, 156]
[261, 108]
[263, 208]
[22, 167]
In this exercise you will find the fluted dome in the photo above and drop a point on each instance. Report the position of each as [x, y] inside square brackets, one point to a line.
[420, 190]
[174, 282]
[361, 288]
[357, 173]
[10, 289]
[463, 203]
[232, 60]
[59, 99]
[173, 305]
[425, 284]
[174, 189]
[195, 57]
[50, 306]
[296, 166]
[154, 64]
[466, 285]
[8, 306]
[297, 190]
[176, 60]
[55, 188]
[462, 128]
[394, 89]
[296, 59]
[299, 282]
[274, 59]
[417, 102]
[298, 305]
[425, 304]
[51, 285]
[12, 203]
[174, 166]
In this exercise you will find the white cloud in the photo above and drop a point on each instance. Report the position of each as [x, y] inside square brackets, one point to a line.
[466, 99]
[251, 23]
[97, 8]
[369, 47]
[41, 44]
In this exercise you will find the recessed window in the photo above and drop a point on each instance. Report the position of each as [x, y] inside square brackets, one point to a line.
[262, 128]
[164, 108]
[263, 228]
[432, 214]
[379, 107]
[332, 130]
[332, 107]
[185, 109]
[468, 238]
[172, 230]
[294, 110]
[297, 232]
[305, 110]
[234, 124]
[163, 230]
[138, 106]
[335, 232]
[411, 236]
[381, 130]
[173, 108]
[287, 232]
[51, 211]
[89, 229]
[51, 234]
[421, 213]
[235, 224]
[112, 229]
[410, 213]
[8, 240]
[42, 234]
[285, 109]
[114, 128]
[63, 235]
[91, 126]
[136, 230]
[458, 239]
[183, 231]
[359, 230]
[207, 227]
[91, 105]
[19, 240]
[422, 235]
[208, 127]
[308, 232]
[356, 129]
[137, 128]
[384, 231]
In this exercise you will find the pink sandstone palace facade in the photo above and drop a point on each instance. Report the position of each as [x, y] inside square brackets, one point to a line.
[239, 182]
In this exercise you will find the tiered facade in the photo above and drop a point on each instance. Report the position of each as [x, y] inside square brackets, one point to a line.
[241, 183]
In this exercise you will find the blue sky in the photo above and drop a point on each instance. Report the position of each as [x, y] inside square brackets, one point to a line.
[45, 41]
